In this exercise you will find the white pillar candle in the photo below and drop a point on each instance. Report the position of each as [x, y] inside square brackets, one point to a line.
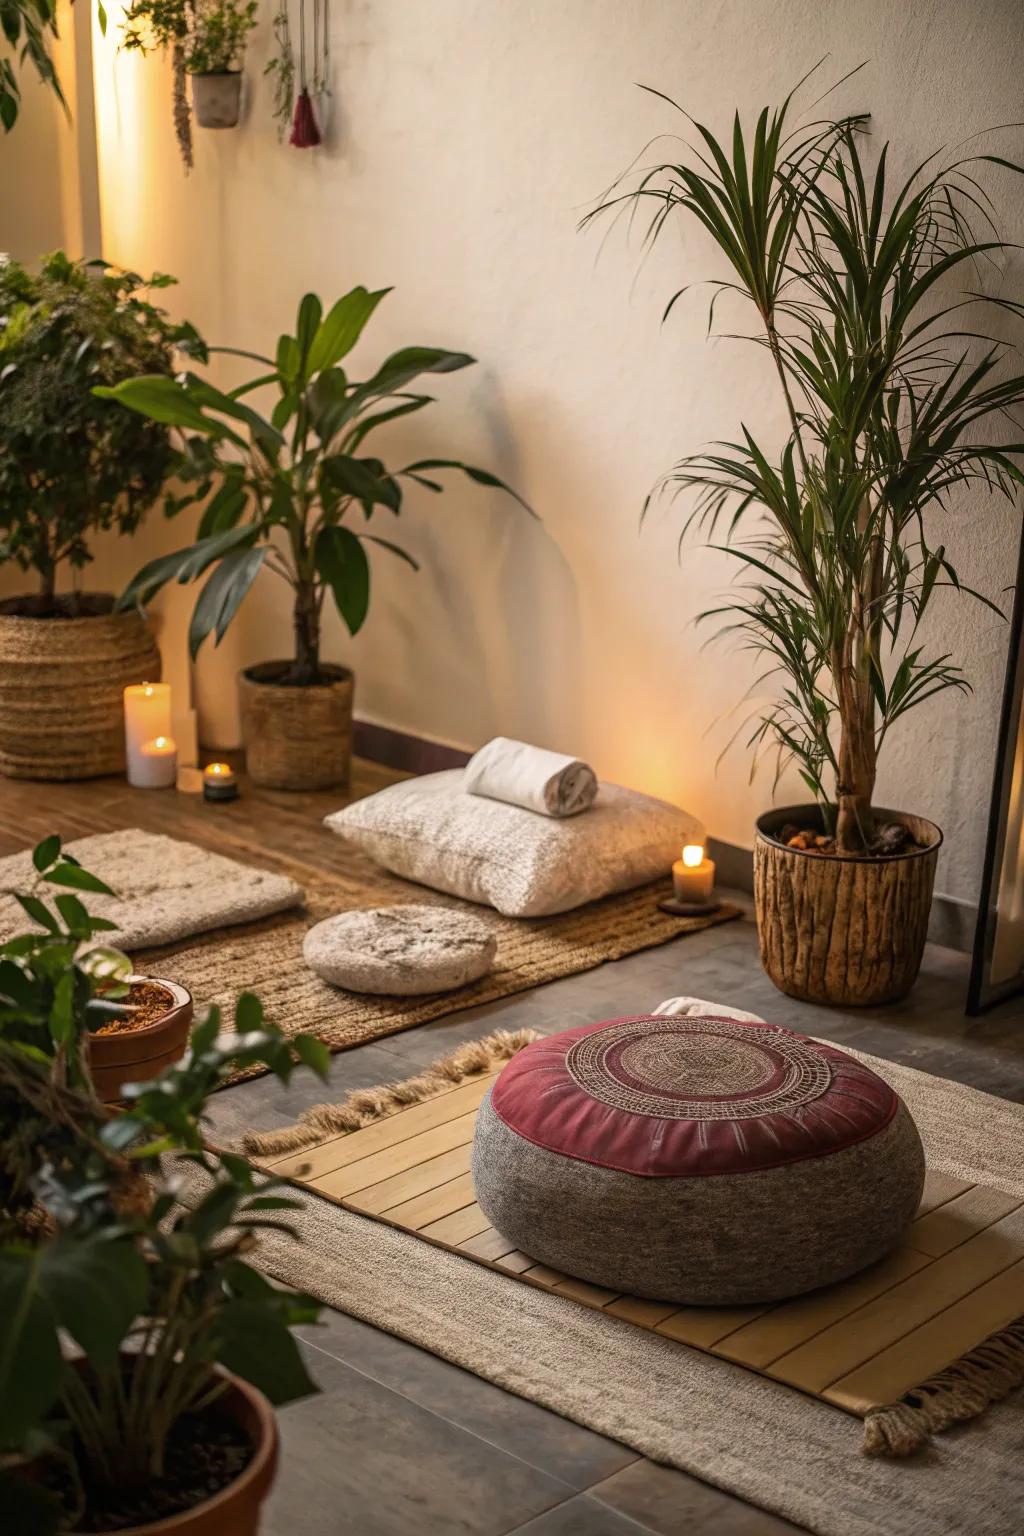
[147, 715]
[156, 766]
[693, 876]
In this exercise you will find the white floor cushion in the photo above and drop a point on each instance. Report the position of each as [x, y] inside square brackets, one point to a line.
[403, 951]
[430, 830]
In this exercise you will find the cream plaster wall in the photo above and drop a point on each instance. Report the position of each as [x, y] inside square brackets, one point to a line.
[466, 138]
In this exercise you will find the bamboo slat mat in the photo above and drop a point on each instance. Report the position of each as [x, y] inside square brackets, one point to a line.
[859, 1345]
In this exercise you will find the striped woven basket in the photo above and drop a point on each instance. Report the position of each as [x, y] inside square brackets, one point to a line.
[61, 682]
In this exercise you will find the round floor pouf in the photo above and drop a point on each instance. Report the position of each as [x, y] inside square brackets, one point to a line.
[402, 951]
[696, 1160]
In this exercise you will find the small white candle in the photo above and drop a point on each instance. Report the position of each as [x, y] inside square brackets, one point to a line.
[693, 876]
[147, 715]
[157, 765]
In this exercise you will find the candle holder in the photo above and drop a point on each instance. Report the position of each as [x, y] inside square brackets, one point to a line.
[693, 884]
[219, 782]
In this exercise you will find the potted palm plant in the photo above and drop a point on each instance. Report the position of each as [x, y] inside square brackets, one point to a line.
[140, 1350]
[893, 395]
[286, 492]
[71, 465]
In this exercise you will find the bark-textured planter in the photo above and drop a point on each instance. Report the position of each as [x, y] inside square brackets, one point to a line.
[235, 1510]
[296, 737]
[61, 685]
[216, 99]
[136, 1055]
[838, 929]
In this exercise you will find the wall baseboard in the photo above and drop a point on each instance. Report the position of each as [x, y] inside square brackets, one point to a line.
[952, 921]
[409, 754]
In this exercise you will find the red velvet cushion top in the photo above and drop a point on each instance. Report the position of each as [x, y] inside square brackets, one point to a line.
[663, 1096]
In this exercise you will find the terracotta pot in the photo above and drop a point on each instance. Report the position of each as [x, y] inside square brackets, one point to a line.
[235, 1511]
[838, 929]
[61, 685]
[139, 1054]
[296, 737]
[216, 98]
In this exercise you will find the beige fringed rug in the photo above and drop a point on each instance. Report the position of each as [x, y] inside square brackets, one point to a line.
[776, 1447]
[925, 1339]
[266, 957]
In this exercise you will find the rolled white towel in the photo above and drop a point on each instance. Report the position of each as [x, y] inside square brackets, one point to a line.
[538, 780]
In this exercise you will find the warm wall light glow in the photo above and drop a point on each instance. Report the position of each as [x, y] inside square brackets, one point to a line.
[693, 854]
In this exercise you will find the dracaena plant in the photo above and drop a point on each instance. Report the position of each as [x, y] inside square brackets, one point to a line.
[153, 1291]
[866, 300]
[292, 492]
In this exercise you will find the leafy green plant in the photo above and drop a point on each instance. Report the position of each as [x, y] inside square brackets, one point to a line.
[283, 485]
[892, 388]
[70, 463]
[56, 986]
[27, 27]
[219, 33]
[154, 1294]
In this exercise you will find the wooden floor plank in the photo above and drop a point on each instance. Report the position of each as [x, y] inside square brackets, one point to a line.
[955, 1332]
[704, 1326]
[515, 1262]
[784, 1327]
[590, 1295]
[423, 1209]
[488, 1244]
[460, 1227]
[646, 1314]
[402, 1157]
[542, 1274]
[403, 1187]
[339, 1151]
[959, 1219]
[856, 1339]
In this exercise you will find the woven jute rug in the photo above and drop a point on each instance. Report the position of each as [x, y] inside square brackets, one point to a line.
[266, 957]
[776, 1447]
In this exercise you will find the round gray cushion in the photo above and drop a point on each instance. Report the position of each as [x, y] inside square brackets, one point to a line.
[402, 951]
[700, 1161]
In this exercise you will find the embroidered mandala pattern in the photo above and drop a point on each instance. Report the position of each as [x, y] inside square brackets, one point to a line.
[697, 1069]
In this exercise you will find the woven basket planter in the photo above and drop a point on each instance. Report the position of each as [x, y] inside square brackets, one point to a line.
[838, 929]
[296, 737]
[61, 684]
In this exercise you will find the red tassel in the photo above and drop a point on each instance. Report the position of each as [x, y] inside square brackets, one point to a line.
[305, 133]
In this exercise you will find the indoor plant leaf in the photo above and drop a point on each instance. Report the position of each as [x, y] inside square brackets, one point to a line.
[342, 563]
[341, 327]
[219, 600]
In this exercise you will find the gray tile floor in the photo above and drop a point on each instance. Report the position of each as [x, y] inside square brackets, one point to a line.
[399, 1442]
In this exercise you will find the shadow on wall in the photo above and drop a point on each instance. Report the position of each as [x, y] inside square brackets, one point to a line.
[501, 593]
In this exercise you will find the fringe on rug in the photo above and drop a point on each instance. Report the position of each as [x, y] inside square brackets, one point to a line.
[960, 1392]
[368, 1104]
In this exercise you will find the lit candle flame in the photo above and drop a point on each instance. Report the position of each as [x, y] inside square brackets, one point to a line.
[693, 855]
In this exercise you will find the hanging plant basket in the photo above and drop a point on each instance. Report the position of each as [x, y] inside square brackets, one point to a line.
[217, 99]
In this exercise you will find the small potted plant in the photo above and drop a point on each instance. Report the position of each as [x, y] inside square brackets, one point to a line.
[213, 59]
[71, 464]
[134, 1026]
[896, 399]
[140, 1351]
[293, 495]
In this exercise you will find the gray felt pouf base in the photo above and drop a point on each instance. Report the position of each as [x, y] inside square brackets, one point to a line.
[717, 1240]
